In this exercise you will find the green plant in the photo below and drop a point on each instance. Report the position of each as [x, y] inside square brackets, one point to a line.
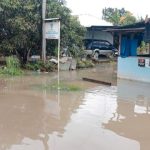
[39, 65]
[85, 64]
[61, 87]
[20, 27]
[12, 67]
[118, 16]
[143, 48]
[56, 52]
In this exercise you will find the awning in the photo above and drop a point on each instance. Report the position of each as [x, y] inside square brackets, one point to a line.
[141, 29]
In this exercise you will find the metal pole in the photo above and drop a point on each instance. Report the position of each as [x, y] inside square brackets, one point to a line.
[120, 38]
[43, 31]
[59, 55]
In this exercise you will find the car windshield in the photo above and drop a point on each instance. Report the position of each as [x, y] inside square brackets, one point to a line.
[99, 44]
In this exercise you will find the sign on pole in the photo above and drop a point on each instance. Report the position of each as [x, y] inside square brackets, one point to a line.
[52, 30]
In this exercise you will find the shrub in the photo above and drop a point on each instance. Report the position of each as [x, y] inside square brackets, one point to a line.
[143, 48]
[85, 64]
[12, 67]
[39, 65]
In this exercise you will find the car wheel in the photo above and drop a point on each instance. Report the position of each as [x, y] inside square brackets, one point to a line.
[96, 56]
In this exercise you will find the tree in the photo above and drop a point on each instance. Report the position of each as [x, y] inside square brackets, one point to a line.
[118, 16]
[20, 27]
[21, 24]
[72, 33]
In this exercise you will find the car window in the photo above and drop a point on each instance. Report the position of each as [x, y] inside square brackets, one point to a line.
[102, 45]
[96, 45]
[107, 43]
[89, 46]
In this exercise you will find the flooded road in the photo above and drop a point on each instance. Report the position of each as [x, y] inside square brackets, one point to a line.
[95, 118]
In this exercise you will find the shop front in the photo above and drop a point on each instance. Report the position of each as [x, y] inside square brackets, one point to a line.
[134, 48]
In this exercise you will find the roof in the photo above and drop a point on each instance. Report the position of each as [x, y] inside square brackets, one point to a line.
[126, 29]
[100, 28]
[136, 27]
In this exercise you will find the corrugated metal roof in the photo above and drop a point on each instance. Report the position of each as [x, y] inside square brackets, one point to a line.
[100, 28]
[126, 29]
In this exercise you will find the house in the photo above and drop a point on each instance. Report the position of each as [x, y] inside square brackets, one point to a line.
[98, 33]
[134, 58]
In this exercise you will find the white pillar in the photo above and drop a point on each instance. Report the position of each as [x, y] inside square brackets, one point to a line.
[43, 31]
[59, 56]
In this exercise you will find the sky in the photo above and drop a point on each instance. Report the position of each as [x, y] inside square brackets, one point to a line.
[90, 11]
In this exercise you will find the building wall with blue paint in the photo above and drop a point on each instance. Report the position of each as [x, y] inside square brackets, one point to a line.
[128, 68]
[134, 64]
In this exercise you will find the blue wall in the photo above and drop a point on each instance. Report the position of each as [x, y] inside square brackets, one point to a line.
[128, 69]
[128, 47]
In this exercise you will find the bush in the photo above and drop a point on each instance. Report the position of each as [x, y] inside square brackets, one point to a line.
[143, 48]
[12, 67]
[39, 65]
[85, 64]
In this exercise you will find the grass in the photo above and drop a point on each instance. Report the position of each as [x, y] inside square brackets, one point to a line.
[85, 64]
[12, 67]
[61, 87]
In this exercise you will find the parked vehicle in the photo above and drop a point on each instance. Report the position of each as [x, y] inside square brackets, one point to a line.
[100, 47]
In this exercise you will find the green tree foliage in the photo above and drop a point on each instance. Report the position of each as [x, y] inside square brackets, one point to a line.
[72, 32]
[21, 26]
[118, 16]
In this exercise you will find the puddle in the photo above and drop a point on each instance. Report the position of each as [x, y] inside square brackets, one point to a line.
[95, 118]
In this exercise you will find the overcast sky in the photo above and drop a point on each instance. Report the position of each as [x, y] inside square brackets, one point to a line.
[90, 11]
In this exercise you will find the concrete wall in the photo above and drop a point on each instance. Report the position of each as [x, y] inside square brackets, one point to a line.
[128, 69]
[101, 35]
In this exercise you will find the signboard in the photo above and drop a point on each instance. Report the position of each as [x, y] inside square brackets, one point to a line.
[52, 30]
[141, 62]
[147, 63]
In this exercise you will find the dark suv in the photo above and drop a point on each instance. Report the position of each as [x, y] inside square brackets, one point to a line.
[100, 47]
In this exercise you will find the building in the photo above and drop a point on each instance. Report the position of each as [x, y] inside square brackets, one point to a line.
[134, 58]
[98, 33]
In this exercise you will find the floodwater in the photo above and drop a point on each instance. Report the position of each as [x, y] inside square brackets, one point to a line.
[96, 118]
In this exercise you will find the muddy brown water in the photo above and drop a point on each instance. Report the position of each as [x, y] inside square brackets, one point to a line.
[96, 118]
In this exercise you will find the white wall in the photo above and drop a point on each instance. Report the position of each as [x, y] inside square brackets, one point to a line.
[128, 69]
[101, 35]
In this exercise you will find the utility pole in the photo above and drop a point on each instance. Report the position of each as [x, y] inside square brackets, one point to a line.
[43, 30]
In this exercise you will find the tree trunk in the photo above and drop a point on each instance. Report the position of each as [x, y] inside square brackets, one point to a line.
[28, 54]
